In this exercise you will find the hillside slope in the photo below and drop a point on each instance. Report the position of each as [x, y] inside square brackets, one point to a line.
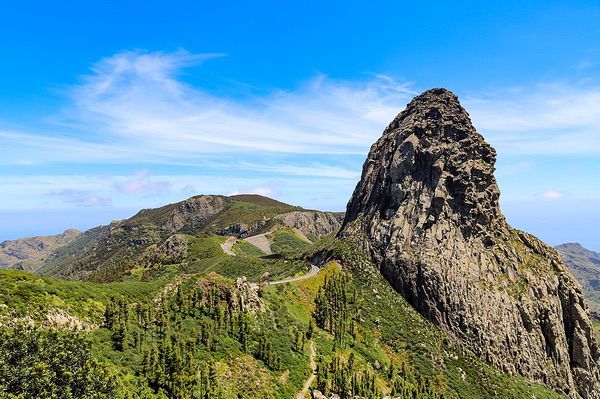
[31, 253]
[585, 265]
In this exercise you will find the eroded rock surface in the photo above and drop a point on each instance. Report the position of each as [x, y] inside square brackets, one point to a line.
[311, 224]
[427, 211]
[195, 212]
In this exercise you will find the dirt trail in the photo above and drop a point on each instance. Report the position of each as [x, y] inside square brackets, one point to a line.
[313, 374]
[314, 270]
[228, 245]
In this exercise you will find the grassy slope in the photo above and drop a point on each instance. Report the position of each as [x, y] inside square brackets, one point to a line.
[28, 294]
[285, 241]
[250, 208]
[205, 256]
[244, 248]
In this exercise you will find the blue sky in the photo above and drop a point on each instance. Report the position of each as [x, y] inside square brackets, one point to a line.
[111, 107]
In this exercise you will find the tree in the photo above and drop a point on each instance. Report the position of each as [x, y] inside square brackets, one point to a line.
[49, 364]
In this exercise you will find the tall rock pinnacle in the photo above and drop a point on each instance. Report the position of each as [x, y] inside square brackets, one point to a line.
[427, 211]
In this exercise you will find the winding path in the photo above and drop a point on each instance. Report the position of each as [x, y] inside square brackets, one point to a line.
[313, 373]
[228, 246]
[314, 270]
[262, 242]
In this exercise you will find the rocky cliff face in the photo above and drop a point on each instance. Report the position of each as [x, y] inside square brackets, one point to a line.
[426, 209]
[311, 224]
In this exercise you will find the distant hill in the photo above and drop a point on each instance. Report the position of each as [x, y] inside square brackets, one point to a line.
[585, 265]
[30, 253]
[164, 235]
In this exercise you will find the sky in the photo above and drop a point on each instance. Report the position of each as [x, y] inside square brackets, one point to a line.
[109, 107]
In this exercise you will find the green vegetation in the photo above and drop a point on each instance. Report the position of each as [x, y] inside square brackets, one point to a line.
[392, 333]
[336, 308]
[287, 241]
[26, 294]
[249, 209]
[110, 253]
[181, 346]
[48, 364]
[244, 248]
[187, 331]
[205, 255]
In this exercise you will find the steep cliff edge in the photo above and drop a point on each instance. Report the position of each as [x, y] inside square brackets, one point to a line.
[426, 210]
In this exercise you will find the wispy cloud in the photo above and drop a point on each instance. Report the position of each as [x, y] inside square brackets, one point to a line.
[142, 183]
[82, 198]
[548, 119]
[168, 117]
[136, 104]
[137, 108]
[134, 107]
[48, 191]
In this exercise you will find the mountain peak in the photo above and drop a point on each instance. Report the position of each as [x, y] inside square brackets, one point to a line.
[431, 155]
[440, 108]
[437, 97]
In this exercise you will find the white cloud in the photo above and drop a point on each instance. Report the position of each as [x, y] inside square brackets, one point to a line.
[169, 117]
[553, 194]
[43, 190]
[550, 119]
[133, 107]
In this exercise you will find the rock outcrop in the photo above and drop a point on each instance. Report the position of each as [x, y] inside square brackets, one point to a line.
[194, 212]
[247, 297]
[311, 224]
[427, 211]
[173, 250]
